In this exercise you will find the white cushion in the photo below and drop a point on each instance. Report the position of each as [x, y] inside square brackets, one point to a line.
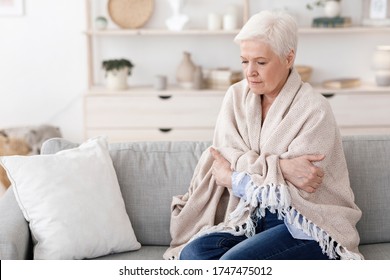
[72, 202]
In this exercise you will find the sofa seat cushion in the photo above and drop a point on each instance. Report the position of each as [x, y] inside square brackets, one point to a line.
[145, 253]
[378, 251]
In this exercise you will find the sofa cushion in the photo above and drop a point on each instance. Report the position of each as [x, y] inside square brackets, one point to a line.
[73, 202]
[149, 174]
[368, 160]
[145, 253]
[379, 251]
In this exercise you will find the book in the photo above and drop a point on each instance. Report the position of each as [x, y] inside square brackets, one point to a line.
[332, 22]
[342, 83]
[221, 78]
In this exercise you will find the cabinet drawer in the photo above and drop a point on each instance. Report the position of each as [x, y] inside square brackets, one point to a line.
[361, 109]
[152, 111]
[123, 135]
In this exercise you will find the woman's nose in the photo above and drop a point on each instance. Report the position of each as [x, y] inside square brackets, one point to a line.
[251, 70]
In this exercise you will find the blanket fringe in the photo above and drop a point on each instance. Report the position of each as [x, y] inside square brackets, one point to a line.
[276, 198]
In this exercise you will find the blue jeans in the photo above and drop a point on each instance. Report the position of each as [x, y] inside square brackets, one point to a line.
[272, 241]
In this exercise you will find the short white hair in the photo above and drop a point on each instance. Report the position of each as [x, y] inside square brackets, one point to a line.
[277, 28]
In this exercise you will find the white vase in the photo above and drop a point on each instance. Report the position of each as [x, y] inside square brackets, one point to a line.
[178, 20]
[214, 21]
[117, 79]
[332, 8]
[381, 65]
[185, 71]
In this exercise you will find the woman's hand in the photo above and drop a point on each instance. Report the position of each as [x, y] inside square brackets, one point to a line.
[221, 169]
[302, 173]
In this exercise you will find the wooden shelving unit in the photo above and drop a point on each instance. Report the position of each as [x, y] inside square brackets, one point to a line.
[91, 33]
[143, 113]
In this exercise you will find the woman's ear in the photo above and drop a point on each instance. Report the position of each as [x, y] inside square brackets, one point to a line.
[290, 59]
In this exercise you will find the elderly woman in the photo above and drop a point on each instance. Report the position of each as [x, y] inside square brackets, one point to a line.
[275, 183]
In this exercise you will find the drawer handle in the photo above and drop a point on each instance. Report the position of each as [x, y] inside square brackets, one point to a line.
[165, 130]
[165, 97]
[328, 95]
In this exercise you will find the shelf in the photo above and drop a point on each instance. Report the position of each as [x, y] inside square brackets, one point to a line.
[365, 88]
[165, 32]
[148, 90]
[343, 30]
[175, 90]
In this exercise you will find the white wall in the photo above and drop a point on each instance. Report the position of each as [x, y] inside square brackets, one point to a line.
[43, 54]
[43, 66]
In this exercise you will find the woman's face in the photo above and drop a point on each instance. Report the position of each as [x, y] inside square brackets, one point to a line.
[264, 70]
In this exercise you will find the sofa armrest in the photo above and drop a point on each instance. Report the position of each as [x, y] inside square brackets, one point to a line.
[15, 241]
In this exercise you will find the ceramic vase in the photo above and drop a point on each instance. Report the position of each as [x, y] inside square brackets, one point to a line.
[198, 78]
[117, 79]
[230, 19]
[332, 8]
[178, 20]
[381, 65]
[185, 71]
[214, 21]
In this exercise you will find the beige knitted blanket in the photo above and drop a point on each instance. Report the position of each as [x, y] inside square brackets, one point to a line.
[299, 122]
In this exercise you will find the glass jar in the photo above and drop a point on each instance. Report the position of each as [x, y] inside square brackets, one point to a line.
[381, 65]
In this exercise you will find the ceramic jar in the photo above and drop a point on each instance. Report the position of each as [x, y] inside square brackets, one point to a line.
[185, 72]
[198, 78]
[381, 65]
[332, 8]
[230, 19]
[160, 82]
[214, 21]
[229, 22]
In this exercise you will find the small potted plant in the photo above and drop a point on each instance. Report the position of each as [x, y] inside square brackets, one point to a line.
[332, 8]
[117, 71]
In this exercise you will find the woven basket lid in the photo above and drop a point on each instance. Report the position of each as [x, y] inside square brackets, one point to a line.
[130, 13]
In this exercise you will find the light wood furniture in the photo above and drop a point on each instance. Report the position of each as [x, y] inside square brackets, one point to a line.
[361, 112]
[142, 113]
[147, 114]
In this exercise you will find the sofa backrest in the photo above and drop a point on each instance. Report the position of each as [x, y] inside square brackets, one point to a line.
[150, 173]
[368, 160]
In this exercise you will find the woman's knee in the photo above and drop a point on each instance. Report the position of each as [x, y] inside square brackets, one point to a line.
[189, 252]
[199, 249]
[209, 247]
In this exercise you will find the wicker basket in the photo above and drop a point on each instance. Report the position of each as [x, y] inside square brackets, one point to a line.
[304, 71]
[130, 13]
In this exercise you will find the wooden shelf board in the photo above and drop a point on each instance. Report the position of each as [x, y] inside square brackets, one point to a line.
[342, 30]
[149, 90]
[366, 87]
[100, 90]
[166, 32]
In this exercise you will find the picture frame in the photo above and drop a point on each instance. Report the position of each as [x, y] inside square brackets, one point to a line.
[11, 7]
[376, 13]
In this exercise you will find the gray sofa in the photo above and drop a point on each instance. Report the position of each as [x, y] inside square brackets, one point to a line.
[172, 163]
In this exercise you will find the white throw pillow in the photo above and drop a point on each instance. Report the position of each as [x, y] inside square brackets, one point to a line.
[72, 202]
